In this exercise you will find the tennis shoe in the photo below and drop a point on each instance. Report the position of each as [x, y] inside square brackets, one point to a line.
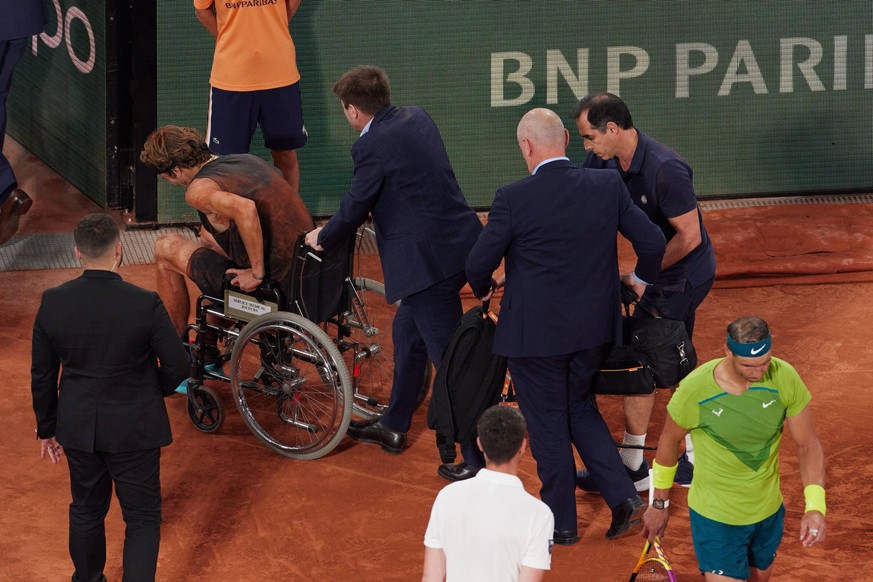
[640, 477]
[216, 367]
[183, 387]
[684, 472]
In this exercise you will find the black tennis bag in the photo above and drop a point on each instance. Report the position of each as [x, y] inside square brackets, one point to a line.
[654, 352]
[624, 371]
[469, 380]
[666, 344]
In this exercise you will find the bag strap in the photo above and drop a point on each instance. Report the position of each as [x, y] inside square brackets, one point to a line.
[629, 297]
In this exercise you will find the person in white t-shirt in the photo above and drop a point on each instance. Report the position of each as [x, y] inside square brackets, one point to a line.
[489, 527]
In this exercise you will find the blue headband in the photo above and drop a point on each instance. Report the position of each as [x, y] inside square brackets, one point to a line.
[752, 350]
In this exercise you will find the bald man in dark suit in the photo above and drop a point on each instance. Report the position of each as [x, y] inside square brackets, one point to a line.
[557, 230]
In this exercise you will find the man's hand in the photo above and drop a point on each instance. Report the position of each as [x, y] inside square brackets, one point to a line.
[655, 523]
[495, 285]
[628, 280]
[312, 239]
[52, 448]
[812, 529]
[243, 279]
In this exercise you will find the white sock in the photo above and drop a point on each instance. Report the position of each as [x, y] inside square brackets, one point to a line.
[689, 449]
[632, 458]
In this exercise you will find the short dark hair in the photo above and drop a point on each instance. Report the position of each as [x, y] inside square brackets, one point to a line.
[95, 235]
[603, 108]
[501, 430]
[172, 146]
[748, 329]
[365, 87]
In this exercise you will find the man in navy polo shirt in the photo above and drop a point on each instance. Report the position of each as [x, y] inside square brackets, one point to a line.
[660, 183]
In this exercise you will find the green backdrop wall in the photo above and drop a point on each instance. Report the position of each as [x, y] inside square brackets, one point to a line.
[762, 98]
[57, 107]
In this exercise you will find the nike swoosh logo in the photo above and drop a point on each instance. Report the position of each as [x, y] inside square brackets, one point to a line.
[758, 351]
[765, 405]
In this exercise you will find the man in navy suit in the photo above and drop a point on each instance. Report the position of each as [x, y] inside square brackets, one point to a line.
[557, 231]
[104, 337]
[424, 230]
[18, 22]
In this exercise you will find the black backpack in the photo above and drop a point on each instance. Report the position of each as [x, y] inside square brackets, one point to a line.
[470, 379]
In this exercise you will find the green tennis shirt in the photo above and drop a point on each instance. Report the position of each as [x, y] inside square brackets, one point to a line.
[736, 440]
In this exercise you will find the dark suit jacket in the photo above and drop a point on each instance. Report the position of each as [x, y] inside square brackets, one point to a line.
[424, 227]
[558, 230]
[108, 336]
[22, 18]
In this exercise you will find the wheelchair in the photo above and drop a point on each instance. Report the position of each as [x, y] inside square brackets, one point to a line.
[302, 356]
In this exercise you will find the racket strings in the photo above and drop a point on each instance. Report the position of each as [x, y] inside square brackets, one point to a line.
[653, 570]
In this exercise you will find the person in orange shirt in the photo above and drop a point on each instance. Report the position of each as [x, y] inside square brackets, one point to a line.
[254, 80]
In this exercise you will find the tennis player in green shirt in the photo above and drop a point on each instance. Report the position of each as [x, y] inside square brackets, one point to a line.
[735, 409]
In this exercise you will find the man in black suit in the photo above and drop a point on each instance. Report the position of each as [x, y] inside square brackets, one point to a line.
[557, 230]
[120, 356]
[424, 230]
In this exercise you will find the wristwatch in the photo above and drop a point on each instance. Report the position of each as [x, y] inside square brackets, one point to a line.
[660, 503]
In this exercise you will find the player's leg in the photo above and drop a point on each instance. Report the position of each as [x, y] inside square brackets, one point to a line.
[172, 255]
[286, 161]
[281, 119]
[722, 550]
[762, 550]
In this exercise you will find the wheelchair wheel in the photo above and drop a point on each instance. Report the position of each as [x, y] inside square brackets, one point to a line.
[204, 409]
[291, 385]
[371, 359]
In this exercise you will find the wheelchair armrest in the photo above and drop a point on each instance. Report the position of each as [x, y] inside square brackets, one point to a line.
[267, 290]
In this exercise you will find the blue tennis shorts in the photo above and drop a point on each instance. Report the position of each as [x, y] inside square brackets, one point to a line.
[234, 115]
[730, 550]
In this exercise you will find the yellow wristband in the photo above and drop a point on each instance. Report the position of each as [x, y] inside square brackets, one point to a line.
[662, 477]
[815, 498]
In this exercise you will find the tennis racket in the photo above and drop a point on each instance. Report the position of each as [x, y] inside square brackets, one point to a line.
[653, 568]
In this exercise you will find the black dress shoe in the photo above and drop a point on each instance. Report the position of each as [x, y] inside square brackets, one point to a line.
[565, 538]
[626, 518]
[373, 432]
[457, 472]
[11, 211]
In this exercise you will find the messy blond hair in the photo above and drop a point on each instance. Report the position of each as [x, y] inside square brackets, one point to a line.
[172, 146]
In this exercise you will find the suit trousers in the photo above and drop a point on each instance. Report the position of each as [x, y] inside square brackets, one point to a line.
[554, 394]
[10, 53]
[422, 328]
[137, 478]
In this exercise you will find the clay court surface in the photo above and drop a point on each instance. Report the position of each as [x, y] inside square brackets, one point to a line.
[235, 511]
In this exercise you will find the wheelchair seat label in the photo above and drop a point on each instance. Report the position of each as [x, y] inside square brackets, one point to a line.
[246, 307]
